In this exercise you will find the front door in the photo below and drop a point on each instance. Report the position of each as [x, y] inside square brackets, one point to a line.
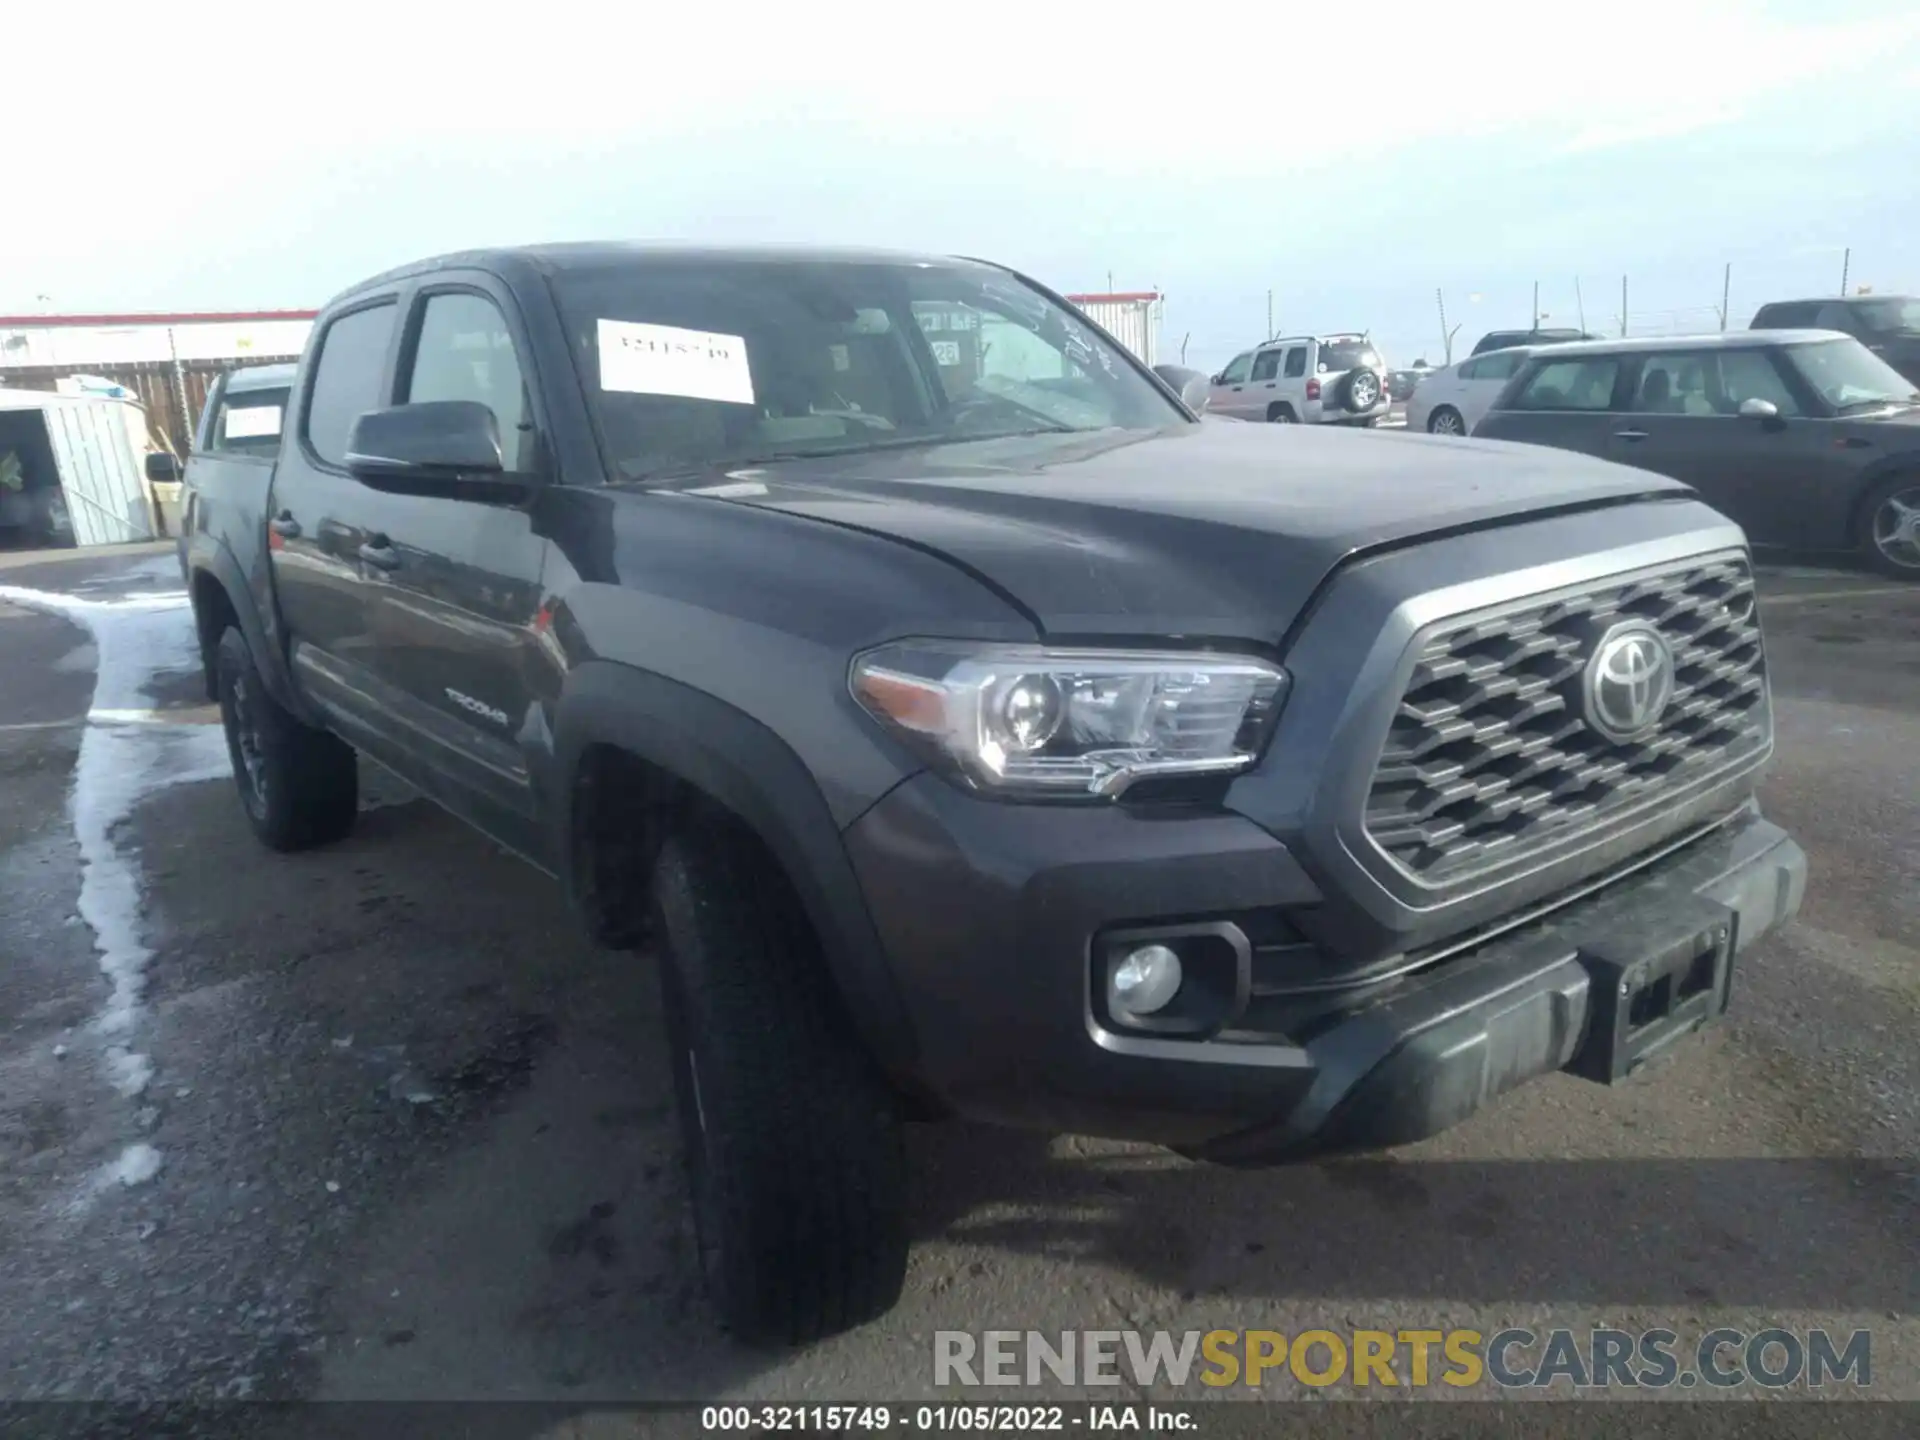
[1684, 421]
[1229, 393]
[453, 586]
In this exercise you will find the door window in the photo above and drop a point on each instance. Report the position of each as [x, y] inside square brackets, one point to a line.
[1752, 375]
[1570, 385]
[1786, 315]
[1296, 362]
[1237, 368]
[346, 378]
[1677, 383]
[465, 352]
[1469, 370]
[1266, 366]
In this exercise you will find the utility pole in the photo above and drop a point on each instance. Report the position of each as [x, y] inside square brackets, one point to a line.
[1269, 314]
[1580, 304]
[1445, 343]
[1536, 305]
[1846, 264]
[1726, 292]
[1623, 306]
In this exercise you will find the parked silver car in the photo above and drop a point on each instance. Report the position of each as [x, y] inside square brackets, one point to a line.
[1337, 379]
[1451, 401]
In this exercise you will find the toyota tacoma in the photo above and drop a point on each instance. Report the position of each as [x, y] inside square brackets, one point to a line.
[969, 728]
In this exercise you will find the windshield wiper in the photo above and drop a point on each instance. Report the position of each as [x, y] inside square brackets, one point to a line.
[1854, 406]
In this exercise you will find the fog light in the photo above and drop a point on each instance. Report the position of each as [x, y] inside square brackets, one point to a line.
[1145, 981]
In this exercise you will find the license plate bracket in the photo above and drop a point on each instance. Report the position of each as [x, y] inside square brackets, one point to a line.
[1640, 1003]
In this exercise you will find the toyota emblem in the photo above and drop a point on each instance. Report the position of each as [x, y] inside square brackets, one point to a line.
[1629, 681]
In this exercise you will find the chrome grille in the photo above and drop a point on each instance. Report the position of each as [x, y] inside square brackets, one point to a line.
[1488, 756]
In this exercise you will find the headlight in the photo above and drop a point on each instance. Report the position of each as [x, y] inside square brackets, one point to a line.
[1024, 719]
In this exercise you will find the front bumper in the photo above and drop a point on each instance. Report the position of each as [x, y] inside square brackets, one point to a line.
[995, 918]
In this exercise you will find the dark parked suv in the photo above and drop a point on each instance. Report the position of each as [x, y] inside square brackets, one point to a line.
[1888, 325]
[968, 729]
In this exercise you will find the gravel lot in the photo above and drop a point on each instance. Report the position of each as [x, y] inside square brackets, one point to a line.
[376, 1123]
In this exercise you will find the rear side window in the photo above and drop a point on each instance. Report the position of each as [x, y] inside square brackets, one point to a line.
[346, 378]
[1296, 362]
[1339, 355]
[249, 423]
[1569, 385]
[1497, 366]
[1788, 315]
[1265, 367]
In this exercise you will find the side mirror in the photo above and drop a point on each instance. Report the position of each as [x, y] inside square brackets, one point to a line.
[449, 448]
[1754, 408]
[162, 469]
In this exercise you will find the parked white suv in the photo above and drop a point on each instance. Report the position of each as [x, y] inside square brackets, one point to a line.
[1305, 380]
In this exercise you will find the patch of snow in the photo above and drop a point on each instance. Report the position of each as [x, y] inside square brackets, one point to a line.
[130, 1071]
[137, 1164]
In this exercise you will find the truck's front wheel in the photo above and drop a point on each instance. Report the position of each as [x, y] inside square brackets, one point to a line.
[794, 1150]
[299, 786]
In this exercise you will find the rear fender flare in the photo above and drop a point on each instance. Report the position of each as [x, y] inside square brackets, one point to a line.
[206, 557]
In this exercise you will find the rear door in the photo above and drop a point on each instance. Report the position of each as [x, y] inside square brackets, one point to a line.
[1565, 401]
[319, 517]
[452, 586]
[1263, 383]
[1682, 420]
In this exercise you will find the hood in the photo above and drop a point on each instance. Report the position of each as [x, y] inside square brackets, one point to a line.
[1202, 531]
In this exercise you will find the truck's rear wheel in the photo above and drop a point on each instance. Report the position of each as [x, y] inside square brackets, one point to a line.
[794, 1151]
[299, 786]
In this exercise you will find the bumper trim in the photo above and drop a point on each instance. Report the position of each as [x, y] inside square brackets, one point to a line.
[1426, 1058]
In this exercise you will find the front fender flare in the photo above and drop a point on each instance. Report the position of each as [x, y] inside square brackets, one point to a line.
[740, 764]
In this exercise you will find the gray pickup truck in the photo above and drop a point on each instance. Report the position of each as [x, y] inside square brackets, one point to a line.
[963, 727]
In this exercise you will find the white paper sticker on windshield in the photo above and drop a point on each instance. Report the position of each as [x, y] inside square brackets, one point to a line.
[946, 352]
[639, 359]
[252, 422]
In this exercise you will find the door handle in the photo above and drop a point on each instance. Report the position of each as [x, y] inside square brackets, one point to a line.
[284, 525]
[1629, 434]
[380, 554]
[1270, 384]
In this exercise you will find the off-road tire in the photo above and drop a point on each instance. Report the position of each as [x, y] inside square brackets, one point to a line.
[793, 1140]
[299, 787]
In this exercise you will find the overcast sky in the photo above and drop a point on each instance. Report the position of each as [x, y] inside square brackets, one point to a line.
[1352, 157]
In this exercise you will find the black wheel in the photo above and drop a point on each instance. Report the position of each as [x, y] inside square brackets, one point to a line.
[300, 786]
[1446, 420]
[794, 1150]
[1889, 527]
[1281, 415]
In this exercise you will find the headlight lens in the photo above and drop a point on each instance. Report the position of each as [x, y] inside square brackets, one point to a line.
[1021, 718]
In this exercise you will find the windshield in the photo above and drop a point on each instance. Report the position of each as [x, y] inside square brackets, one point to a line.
[697, 363]
[1851, 377]
[1883, 317]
